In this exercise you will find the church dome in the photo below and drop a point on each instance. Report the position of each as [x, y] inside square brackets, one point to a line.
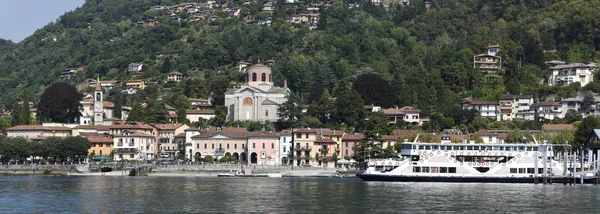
[259, 74]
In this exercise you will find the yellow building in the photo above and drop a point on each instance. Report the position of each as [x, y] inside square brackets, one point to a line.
[304, 140]
[140, 84]
[102, 145]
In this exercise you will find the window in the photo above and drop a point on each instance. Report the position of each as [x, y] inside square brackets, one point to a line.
[121, 156]
[205, 146]
[228, 146]
[272, 145]
[513, 170]
[451, 169]
[263, 77]
[416, 169]
[220, 147]
[212, 146]
[253, 145]
[284, 149]
[235, 146]
[101, 145]
[266, 113]
[346, 144]
[298, 135]
[306, 135]
[243, 145]
[263, 145]
[130, 155]
[490, 139]
[253, 77]
[443, 170]
[346, 151]
[248, 101]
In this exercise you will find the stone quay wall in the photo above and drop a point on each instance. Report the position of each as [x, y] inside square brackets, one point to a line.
[36, 169]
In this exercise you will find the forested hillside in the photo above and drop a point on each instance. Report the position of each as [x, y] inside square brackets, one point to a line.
[424, 55]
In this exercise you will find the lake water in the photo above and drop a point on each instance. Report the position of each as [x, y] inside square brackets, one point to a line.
[284, 195]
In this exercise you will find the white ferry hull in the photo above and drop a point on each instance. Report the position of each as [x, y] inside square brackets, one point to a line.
[461, 179]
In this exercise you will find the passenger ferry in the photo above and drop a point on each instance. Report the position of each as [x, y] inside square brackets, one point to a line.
[467, 162]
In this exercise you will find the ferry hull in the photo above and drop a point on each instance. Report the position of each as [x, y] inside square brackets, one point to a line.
[461, 179]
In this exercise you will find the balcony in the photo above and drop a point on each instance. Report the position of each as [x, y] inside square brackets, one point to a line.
[302, 148]
[125, 150]
[324, 151]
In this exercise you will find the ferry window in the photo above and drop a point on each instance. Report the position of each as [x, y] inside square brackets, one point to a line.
[421, 147]
[540, 170]
[449, 148]
[456, 148]
[443, 169]
[530, 171]
[425, 169]
[427, 147]
[435, 169]
[513, 170]
[522, 148]
[534, 149]
[451, 169]
[416, 169]
[521, 170]
[435, 148]
[469, 148]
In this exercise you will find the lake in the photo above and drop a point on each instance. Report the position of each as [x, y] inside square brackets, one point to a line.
[284, 195]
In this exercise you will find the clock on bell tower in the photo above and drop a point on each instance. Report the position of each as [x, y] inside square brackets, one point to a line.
[98, 104]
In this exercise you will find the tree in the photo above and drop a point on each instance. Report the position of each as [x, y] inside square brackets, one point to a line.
[59, 103]
[118, 99]
[218, 87]
[4, 124]
[323, 109]
[25, 113]
[290, 113]
[586, 128]
[375, 90]
[181, 116]
[220, 116]
[588, 102]
[349, 106]
[136, 114]
[156, 112]
[572, 116]
[375, 124]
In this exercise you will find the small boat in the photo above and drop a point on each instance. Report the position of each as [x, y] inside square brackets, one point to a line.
[226, 175]
[106, 169]
[274, 175]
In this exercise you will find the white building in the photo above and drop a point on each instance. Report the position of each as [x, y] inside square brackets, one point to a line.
[174, 77]
[549, 110]
[258, 100]
[524, 110]
[285, 139]
[487, 109]
[133, 146]
[563, 75]
[489, 62]
[135, 67]
[167, 147]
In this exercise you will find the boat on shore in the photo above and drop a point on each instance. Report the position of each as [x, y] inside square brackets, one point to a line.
[469, 162]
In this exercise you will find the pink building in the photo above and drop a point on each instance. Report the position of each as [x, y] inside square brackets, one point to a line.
[220, 142]
[263, 148]
[348, 143]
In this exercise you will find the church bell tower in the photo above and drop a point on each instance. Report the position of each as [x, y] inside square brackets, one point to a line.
[98, 104]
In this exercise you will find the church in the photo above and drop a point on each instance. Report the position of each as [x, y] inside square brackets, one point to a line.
[258, 99]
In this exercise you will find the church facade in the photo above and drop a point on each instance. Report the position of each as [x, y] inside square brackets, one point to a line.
[258, 99]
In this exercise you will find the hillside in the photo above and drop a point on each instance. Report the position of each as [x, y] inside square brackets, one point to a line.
[426, 55]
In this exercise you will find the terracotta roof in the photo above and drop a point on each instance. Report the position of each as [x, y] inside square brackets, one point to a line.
[193, 129]
[130, 125]
[548, 103]
[113, 119]
[180, 135]
[401, 111]
[329, 132]
[404, 131]
[357, 136]
[502, 136]
[169, 126]
[231, 132]
[38, 127]
[305, 130]
[98, 138]
[388, 137]
[134, 134]
[263, 134]
[199, 111]
[557, 127]
[175, 73]
[324, 140]
[98, 128]
[484, 132]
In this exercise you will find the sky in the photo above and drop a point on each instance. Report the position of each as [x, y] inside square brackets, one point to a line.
[21, 18]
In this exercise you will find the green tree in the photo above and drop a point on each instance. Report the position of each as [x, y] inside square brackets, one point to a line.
[220, 116]
[375, 124]
[375, 90]
[290, 113]
[4, 124]
[156, 112]
[182, 116]
[59, 103]
[136, 114]
[349, 106]
[586, 128]
[118, 99]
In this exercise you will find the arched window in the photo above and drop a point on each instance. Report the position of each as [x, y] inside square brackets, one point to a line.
[247, 101]
[254, 77]
[266, 113]
[98, 96]
[263, 77]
